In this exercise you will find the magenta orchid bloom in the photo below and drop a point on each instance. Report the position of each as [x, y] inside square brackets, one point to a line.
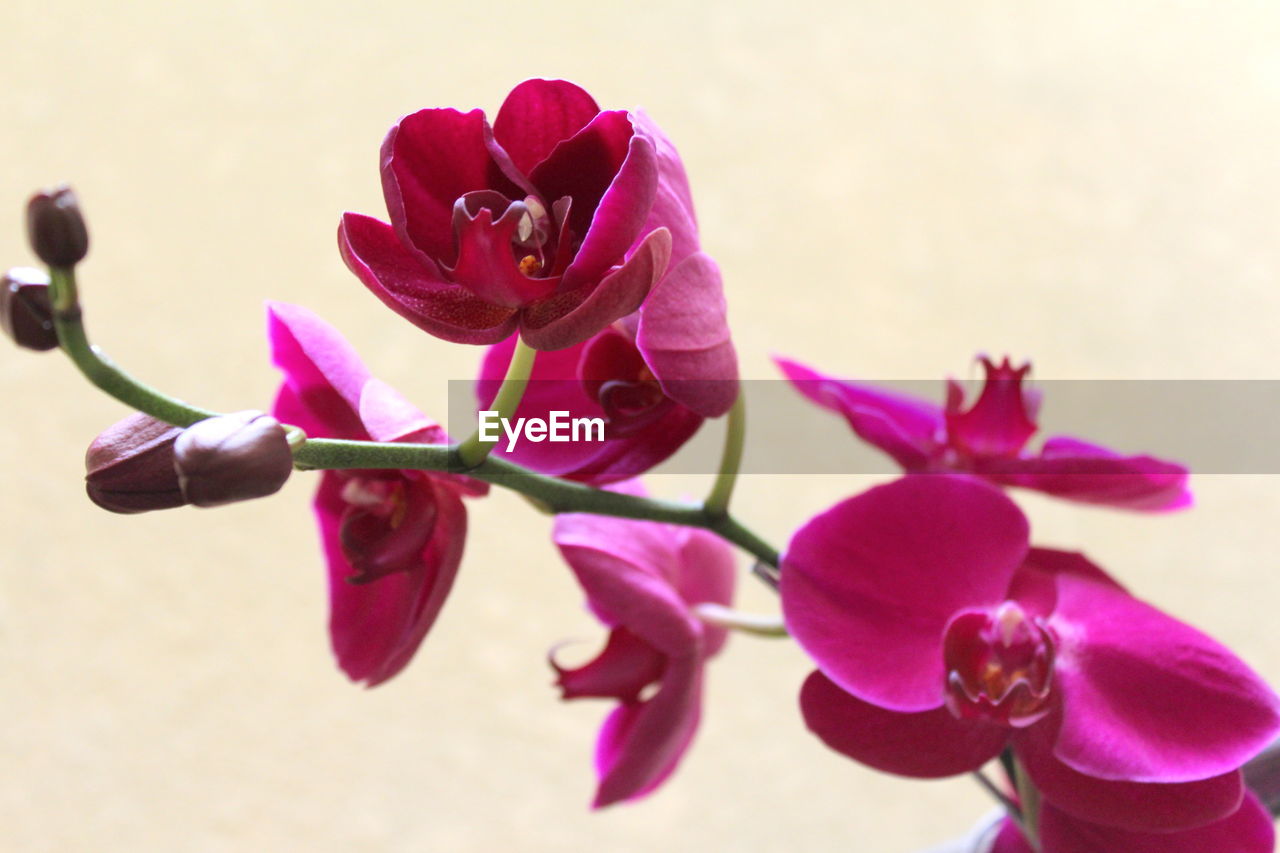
[653, 375]
[393, 539]
[549, 221]
[605, 378]
[1248, 830]
[942, 638]
[642, 580]
[989, 438]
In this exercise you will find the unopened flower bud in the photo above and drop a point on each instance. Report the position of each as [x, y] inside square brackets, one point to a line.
[25, 313]
[129, 467]
[141, 463]
[55, 227]
[231, 458]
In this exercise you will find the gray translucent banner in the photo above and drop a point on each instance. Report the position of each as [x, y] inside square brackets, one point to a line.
[1210, 426]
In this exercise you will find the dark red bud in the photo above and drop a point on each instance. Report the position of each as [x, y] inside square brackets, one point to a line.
[25, 313]
[56, 228]
[129, 467]
[231, 458]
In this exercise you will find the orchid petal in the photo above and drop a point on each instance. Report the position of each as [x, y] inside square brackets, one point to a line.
[376, 627]
[415, 289]
[869, 586]
[905, 428]
[673, 202]
[619, 216]
[640, 744]
[538, 115]
[1009, 839]
[647, 545]
[1248, 830]
[567, 319]
[429, 160]
[706, 575]
[625, 666]
[388, 416]
[927, 744]
[683, 335]
[1080, 471]
[316, 421]
[610, 171]
[1137, 806]
[1035, 586]
[1148, 698]
[324, 370]
[629, 593]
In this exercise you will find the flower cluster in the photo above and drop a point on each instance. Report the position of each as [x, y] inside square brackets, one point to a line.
[562, 237]
[560, 226]
[572, 230]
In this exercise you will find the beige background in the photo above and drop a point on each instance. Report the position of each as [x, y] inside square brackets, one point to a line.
[889, 188]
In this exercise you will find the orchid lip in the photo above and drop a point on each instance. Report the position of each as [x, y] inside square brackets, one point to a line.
[1001, 421]
[631, 406]
[999, 665]
[537, 235]
[386, 525]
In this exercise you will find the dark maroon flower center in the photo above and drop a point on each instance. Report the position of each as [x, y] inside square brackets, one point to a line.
[540, 240]
[385, 526]
[999, 665]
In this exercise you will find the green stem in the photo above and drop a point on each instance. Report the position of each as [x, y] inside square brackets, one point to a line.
[735, 435]
[556, 495]
[1029, 800]
[98, 367]
[473, 450]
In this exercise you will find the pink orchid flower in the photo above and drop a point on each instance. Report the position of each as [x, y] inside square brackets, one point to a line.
[942, 638]
[642, 580]
[607, 378]
[393, 539]
[1247, 830]
[989, 438]
[556, 220]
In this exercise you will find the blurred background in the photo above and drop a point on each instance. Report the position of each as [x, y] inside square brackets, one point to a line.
[889, 189]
